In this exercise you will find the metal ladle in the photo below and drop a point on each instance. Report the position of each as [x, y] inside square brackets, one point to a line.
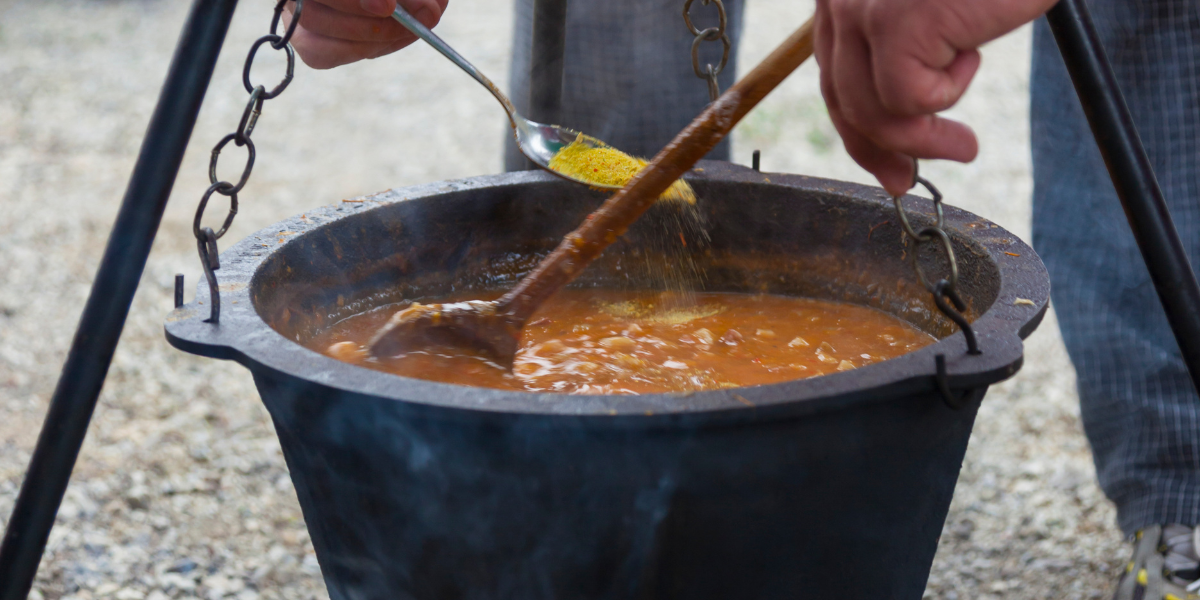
[538, 141]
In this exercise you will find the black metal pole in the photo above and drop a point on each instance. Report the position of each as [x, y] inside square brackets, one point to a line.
[1132, 175]
[112, 293]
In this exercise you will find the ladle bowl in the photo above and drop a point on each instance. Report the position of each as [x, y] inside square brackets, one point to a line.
[829, 487]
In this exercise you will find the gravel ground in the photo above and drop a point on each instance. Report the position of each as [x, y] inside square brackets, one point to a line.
[181, 489]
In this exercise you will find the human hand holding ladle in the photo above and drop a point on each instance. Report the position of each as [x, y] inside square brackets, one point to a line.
[493, 327]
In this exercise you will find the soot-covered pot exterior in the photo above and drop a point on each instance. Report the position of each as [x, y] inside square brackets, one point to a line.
[837, 504]
[830, 487]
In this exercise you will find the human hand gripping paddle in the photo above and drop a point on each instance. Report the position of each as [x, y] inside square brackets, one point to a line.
[493, 327]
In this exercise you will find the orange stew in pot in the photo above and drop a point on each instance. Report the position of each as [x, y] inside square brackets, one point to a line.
[588, 341]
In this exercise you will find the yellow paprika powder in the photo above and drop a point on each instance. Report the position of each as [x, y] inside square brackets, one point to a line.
[610, 167]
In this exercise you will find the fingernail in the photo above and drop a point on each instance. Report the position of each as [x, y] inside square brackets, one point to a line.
[382, 8]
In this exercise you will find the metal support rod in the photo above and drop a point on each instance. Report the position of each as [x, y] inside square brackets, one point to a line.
[1132, 175]
[112, 293]
[178, 290]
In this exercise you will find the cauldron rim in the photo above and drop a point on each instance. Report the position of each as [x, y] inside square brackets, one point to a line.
[244, 336]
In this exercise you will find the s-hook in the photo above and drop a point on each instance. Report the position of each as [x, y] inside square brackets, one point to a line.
[945, 290]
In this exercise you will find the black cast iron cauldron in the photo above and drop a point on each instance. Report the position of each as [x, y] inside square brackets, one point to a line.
[830, 487]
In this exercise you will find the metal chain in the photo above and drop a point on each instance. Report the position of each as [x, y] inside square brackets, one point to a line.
[945, 291]
[206, 238]
[711, 34]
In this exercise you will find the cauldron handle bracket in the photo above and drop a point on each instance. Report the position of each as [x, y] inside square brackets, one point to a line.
[955, 402]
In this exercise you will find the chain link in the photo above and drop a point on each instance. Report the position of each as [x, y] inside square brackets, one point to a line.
[712, 34]
[216, 155]
[945, 290]
[220, 186]
[287, 36]
[206, 238]
[250, 115]
[287, 78]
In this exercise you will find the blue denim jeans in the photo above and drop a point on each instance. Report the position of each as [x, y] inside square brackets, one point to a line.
[1140, 410]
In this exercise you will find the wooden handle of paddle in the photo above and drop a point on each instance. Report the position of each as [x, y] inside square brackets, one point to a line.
[610, 221]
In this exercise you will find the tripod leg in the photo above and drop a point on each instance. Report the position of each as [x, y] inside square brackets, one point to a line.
[1132, 175]
[112, 292]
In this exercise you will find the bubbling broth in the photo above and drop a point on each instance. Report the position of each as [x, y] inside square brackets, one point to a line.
[590, 341]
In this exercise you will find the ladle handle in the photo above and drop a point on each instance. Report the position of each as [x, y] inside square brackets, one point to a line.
[611, 220]
[420, 30]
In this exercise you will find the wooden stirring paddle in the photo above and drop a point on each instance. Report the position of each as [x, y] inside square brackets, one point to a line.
[494, 326]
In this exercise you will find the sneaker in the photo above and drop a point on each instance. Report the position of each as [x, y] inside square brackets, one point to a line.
[1165, 565]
